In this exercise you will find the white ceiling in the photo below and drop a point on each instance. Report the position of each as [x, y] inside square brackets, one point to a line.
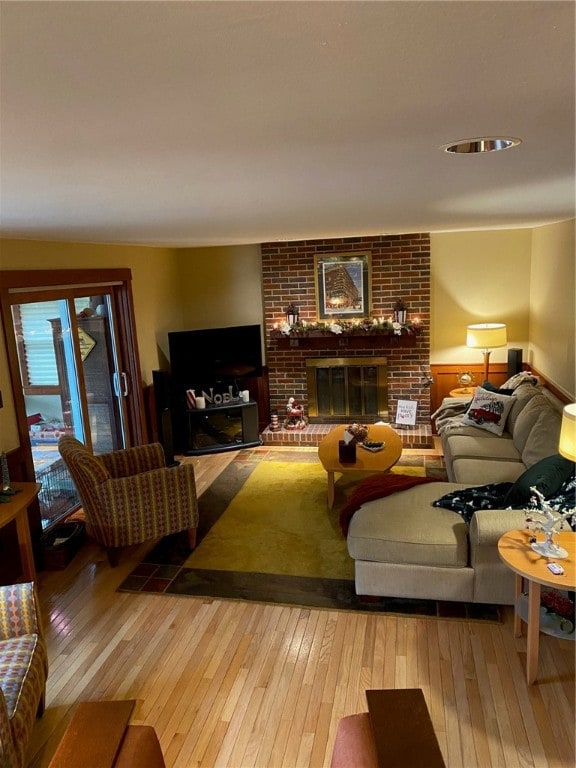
[231, 122]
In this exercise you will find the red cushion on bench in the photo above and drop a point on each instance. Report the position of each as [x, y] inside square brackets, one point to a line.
[354, 743]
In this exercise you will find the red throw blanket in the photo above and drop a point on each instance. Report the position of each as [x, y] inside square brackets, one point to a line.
[377, 487]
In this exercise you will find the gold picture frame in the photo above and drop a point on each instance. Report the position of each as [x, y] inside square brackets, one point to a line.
[343, 285]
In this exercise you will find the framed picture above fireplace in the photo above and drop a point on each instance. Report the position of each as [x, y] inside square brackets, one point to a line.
[343, 285]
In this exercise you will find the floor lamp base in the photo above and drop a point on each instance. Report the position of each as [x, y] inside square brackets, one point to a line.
[486, 354]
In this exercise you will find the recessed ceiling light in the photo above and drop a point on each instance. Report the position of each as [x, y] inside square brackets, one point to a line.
[484, 144]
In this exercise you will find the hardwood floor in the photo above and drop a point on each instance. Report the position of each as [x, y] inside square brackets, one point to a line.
[234, 684]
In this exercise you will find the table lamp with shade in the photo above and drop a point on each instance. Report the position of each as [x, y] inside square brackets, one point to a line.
[567, 443]
[486, 336]
[553, 519]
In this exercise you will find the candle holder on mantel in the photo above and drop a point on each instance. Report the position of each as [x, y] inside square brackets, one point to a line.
[400, 311]
[292, 314]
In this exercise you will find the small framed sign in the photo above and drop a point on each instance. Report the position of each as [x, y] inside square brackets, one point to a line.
[406, 412]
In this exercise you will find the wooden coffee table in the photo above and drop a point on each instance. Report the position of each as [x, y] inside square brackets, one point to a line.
[366, 461]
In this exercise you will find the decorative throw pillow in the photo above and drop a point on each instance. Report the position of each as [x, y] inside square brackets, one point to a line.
[488, 410]
[547, 475]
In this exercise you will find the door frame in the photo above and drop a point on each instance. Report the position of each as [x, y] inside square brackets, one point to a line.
[15, 284]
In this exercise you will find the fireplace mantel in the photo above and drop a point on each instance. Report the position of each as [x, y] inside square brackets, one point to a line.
[333, 341]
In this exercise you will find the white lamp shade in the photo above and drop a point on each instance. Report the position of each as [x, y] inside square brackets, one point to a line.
[486, 336]
[567, 444]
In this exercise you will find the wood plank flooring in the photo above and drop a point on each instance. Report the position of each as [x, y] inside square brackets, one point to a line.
[233, 684]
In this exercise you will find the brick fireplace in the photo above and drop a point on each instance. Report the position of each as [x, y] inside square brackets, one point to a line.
[400, 269]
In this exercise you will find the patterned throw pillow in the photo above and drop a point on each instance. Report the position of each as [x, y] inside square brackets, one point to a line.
[488, 410]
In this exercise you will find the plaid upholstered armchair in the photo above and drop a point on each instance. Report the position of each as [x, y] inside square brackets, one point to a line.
[130, 496]
[23, 671]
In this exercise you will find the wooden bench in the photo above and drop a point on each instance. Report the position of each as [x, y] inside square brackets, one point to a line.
[396, 732]
[99, 736]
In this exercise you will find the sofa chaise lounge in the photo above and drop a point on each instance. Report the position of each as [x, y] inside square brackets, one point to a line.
[403, 546]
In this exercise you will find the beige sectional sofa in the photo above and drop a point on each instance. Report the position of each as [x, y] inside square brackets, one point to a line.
[474, 455]
[405, 547]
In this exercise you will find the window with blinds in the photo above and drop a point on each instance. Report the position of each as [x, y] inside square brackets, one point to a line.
[35, 341]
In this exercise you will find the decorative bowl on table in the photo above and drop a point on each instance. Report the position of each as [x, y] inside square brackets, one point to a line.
[372, 445]
[358, 431]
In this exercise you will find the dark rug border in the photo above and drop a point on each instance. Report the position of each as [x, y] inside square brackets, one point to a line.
[301, 591]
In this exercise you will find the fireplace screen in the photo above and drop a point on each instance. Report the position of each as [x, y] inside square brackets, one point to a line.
[340, 389]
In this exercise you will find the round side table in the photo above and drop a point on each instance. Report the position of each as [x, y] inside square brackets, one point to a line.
[463, 392]
[515, 551]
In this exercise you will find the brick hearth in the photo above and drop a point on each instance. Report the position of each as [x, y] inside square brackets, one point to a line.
[419, 436]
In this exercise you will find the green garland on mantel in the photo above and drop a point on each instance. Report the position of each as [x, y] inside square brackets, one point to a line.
[337, 327]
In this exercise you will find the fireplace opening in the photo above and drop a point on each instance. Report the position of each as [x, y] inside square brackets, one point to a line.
[347, 388]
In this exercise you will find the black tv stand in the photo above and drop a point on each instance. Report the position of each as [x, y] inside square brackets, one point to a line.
[226, 427]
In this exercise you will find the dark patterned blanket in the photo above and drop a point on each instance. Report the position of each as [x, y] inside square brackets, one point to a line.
[493, 495]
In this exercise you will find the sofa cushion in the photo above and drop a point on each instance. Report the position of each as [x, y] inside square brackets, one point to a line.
[488, 410]
[482, 471]
[406, 528]
[527, 418]
[547, 475]
[522, 396]
[489, 447]
[543, 438]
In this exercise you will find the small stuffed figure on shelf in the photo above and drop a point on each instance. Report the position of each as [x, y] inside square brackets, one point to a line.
[295, 418]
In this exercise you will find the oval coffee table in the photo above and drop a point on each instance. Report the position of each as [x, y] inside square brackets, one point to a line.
[366, 461]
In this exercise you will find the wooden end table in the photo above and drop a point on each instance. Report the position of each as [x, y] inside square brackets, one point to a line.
[514, 549]
[17, 509]
[366, 461]
[463, 392]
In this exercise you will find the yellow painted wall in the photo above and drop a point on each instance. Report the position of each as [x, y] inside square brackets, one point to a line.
[479, 277]
[552, 300]
[475, 277]
[220, 287]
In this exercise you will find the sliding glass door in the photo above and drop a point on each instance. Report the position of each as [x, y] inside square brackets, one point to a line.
[72, 381]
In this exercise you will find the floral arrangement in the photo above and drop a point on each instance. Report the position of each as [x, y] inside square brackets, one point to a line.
[556, 603]
[338, 326]
[291, 309]
[358, 431]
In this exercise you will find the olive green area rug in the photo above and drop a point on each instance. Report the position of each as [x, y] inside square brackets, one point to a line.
[266, 534]
[278, 523]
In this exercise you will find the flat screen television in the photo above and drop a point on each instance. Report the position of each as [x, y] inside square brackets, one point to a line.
[204, 358]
